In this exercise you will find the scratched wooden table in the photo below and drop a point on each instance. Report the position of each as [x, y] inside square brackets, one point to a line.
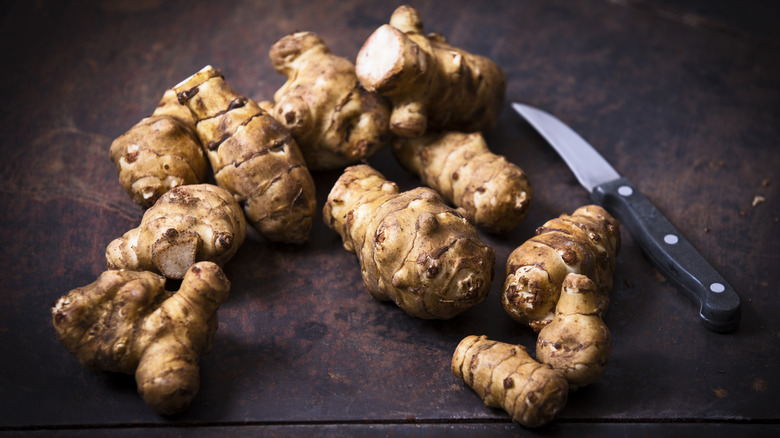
[682, 97]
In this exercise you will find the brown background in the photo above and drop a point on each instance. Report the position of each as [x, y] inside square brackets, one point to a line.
[682, 97]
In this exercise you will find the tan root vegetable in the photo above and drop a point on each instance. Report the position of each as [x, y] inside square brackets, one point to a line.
[576, 342]
[187, 224]
[492, 192]
[431, 84]
[413, 249]
[587, 243]
[126, 322]
[334, 121]
[506, 377]
[160, 152]
[253, 156]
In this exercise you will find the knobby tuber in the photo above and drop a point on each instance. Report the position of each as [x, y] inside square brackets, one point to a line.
[432, 85]
[505, 376]
[587, 243]
[490, 191]
[413, 249]
[576, 342]
[160, 152]
[186, 225]
[334, 120]
[253, 156]
[126, 322]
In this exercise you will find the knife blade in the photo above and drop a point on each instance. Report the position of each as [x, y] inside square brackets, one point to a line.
[665, 246]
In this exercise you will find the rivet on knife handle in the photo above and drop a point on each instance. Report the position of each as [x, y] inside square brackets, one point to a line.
[672, 253]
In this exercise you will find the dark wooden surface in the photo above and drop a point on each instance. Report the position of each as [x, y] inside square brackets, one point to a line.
[682, 97]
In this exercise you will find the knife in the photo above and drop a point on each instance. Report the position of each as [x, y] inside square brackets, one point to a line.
[666, 248]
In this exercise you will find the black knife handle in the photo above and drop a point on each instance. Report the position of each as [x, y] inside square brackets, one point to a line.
[672, 254]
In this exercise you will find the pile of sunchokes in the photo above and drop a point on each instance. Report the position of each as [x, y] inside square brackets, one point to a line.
[418, 248]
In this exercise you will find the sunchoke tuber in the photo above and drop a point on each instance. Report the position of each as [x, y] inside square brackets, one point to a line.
[587, 243]
[126, 322]
[505, 376]
[159, 153]
[334, 121]
[492, 192]
[431, 84]
[413, 249]
[187, 224]
[253, 156]
[576, 342]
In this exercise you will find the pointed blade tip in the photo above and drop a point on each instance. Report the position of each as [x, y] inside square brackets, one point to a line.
[590, 168]
[520, 108]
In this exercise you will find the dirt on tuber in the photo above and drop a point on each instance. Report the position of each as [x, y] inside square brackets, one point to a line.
[160, 152]
[576, 342]
[585, 242]
[413, 248]
[126, 322]
[187, 224]
[493, 193]
[253, 156]
[506, 377]
[432, 85]
[332, 118]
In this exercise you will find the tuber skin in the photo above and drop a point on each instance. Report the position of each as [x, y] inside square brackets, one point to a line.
[491, 192]
[413, 249]
[587, 243]
[253, 157]
[126, 322]
[334, 121]
[187, 224]
[160, 152]
[506, 377]
[432, 85]
[577, 342]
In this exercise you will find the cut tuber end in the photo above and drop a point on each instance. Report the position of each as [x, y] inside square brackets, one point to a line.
[175, 252]
[386, 62]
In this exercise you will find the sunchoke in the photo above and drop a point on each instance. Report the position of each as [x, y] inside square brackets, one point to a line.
[505, 376]
[126, 322]
[187, 224]
[413, 249]
[576, 342]
[334, 121]
[432, 85]
[159, 153]
[492, 192]
[253, 156]
[587, 243]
